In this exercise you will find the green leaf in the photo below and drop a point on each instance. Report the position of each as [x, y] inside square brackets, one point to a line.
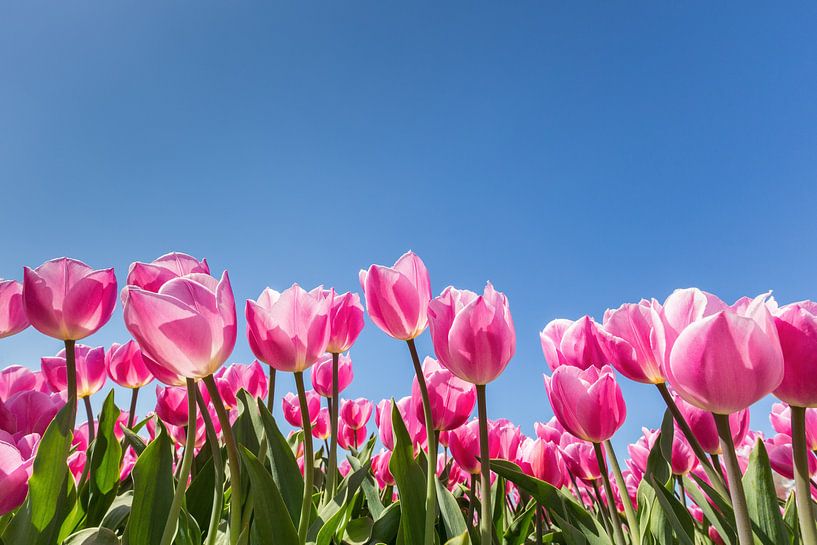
[519, 529]
[92, 536]
[722, 521]
[199, 495]
[386, 527]
[345, 497]
[450, 512]
[410, 480]
[51, 493]
[666, 436]
[761, 499]
[461, 539]
[117, 516]
[152, 492]
[271, 517]
[675, 513]
[284, 466]
[105, 459]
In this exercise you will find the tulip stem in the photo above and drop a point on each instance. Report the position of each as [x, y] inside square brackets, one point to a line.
[232, 458]
[271, 390]
[473, 489]
[682, 493]
[71, 379]
[629, 511]
[431, 473]
[538, 518]
[187, 462]
[716, 479]
[618, 535]
[485, 519]
[309, 470]
[134, 395]
[333, 431]
[600, 509]
[218, 468]
[89, 411]
[802, 493]
[716, 463]
[742, 522]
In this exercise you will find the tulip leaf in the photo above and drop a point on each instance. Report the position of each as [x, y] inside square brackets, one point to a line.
[385, 527]
[761, 499]
[675, 513]
[117, 516]
[271, 518]
[152, 491]
[199, 495]
[51, 493]
[345, 496]
[105, 460]
[666, 436]
[410, 480]
[92, 536]
[715, 517]
[519, 529]
[450, 511]
[283, 465]
[462, 539]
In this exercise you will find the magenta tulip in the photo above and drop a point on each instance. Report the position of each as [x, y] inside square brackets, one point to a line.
[163, 374]
[642, 328]
[380, 468]
[91, 372]
[580, 460]
[397, 297]
[68, 300]
[587, 402]
[346, 317]
[685, 306]
[725, 362]
[702, 424]
[542, 459]
[292, 408]
[779, 449]
[549, 431]
[14, 474]
[236, 377]
[320, 427]
[408, 411]
[290, 330]
[473, 336]
[509, 437]
[451, 398]
[797, 330]
[188, 326]
[31, 412]
[16, 378]
[322, 374]
[464, 445]
[171, 405]
[582, 343]
[780, 417]
[349, 437]
[126, 367]
[152, 276]
[13, 317]
[355, 413]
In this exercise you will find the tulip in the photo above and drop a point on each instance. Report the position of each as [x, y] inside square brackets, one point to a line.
[796, 326]
[292, 408]
[781, 457]
[702, 424]
[550, 431]
[16, 378]
[30, 412]
[13, 317]
[581, 460]
[464, 443]
[509, 437]
[320, 427]
[346, 318]
[152, 276]
[542, 459]
[640, 327]
[380, 468]
[322, 374]
[236, 377]
[408, 412]
[171, 405]
[13, 477]
[685, 306]
[355, 413]
[350, 438]
[780, 417]
[127, 367]
[578, 344]
[451, 398]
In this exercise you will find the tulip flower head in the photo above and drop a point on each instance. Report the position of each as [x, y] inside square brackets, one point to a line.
[126, 367]
[452, 399]
[355, 413]
[780, 417]
[13, 317]
[152, 276]
[346, 318]
[322, 374]
[292, 407]
[640, 327]
[91, 372]
[796, 326]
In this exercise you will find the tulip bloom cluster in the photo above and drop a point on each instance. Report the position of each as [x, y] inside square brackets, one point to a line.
[210, 464]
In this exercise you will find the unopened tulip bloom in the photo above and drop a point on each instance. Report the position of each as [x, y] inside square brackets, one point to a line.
[465, 447]
[407, 408]
[126, 367]
[549, 431]
[780, 417]
[640, 452]
[397, 297]
[473, 335]
[91, 372]
[68, 300]
[13, 477]
[702, 424]
[779, 449]
[587, 402]
[292, 409]
[451, 398]
[31, 412]
[542, 459]
[351, 438]
[13, 317]
[581, 460]
[188, 326]
[509, 437]
[355, 413]
[152, 276]
[289, 330]
[322, 374]
[797, 330]
[346, 317]
[320, 427]
[16, 378]
[236, 377]
[578, 344]
[685, 306]
[171, 405]
[641, 327]
[380, 468]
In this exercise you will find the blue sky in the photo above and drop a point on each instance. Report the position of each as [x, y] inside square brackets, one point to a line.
[577, 156]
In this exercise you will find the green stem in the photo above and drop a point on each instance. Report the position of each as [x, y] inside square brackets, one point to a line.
[618, 535]
[742, 522]
[431, 472]
[802, 492]
[89, 411]
[538, 519]
[331, 485]
[134, 395]
[215, 450]
[681, 490]
[629, 511]
[187, 462]
[485, 519]
[600, 507]
[71, 379]
[271, 391]
[232, 458]
[473, 488]
[309, 470]
[716, 463]
[716, 479]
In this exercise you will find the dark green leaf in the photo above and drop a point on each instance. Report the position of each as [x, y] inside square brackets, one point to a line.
[271, 517]
[284, 466]
[199, 495]
[105, 460]
[450, 512]
[675, 513]
[761, 499]
[519, 529]
[410, 479]
[92, 536]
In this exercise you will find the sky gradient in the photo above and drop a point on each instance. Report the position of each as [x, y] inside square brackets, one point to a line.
[578, 157]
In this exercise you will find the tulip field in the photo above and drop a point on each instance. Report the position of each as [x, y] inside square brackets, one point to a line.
[211, 465]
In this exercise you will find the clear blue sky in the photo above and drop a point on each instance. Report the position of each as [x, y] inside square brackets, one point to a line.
[578, 157]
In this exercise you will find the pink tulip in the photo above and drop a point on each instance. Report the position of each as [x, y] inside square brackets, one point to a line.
[355, 413]
[350, 438]
[380, 468]
[642, 328]
[126, 367]
[289, 330]
[542, 459]
[397, 297]
[780, 418]
[580, 460]
[152, 276]
[587, 402]
[171, 405]
[779, 449]
[464, 445]
[320, 427]
[451, 398]
[550, 431]
[322, 374]
[408, 411]
[473, 336]
[188, 326]
[685, 306]
[236, 377]
[91, 373]
[640, 451]
[16, 378]
[582, 343]
[31, 412]
[509, 437]
[346, 317]
[702, 424]
[292, 407]
[163, 374]
[797, 330]
[68, 300]
[725, 362]
[13, 477]
[13, 317]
